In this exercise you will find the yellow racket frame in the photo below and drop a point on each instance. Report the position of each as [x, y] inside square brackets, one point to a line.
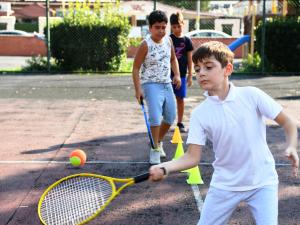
[111, 180]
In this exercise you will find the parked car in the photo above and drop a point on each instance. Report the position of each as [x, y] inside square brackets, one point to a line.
[207, 34]
[21, 33]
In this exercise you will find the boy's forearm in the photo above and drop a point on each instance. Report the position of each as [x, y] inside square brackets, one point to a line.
[190, 159]
[289, 127]
[136, 79]
[291, 133]
[175, 67]
[190, 70]
[190, 64]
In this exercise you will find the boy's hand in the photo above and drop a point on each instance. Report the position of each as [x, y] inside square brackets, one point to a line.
[177, 81]
[189, 80]
[292, 155]
[156, 173]
[139, 95]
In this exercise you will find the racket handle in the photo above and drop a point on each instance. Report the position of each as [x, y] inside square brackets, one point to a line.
[141, 178]
[142, 100]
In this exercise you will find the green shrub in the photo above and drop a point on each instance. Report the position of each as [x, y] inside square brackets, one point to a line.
[135, 42]
[282, 46]
[38, 64]
[251, 64]
[28, 27]
[90, 40]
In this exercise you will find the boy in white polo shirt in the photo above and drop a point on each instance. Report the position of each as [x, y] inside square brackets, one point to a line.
[232, 118]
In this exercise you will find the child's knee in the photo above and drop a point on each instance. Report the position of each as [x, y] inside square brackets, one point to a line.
[170, 117]
[155, 121]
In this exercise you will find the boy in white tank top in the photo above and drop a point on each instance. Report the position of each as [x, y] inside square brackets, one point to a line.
[232, 118]
[151, 77]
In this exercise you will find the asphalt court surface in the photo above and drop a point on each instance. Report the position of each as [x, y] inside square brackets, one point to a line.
[43, 118]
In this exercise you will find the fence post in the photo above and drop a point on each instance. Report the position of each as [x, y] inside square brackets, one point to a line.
[197, 24]
[48, 37]
[263, 38]
[253, 12]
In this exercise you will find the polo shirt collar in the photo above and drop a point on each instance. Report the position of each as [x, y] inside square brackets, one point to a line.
[230, 96]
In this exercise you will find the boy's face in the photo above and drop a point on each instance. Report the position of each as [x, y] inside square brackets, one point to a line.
[210, 74]
[158, 30]
[177, 29]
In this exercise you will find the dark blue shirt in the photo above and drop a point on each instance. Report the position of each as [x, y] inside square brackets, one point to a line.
[182, 46]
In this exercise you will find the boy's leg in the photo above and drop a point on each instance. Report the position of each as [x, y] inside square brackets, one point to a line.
[218, 206]
[164, 127]
[180, 109]
[154, 97]
[263, 204]
[180, 95]
[155, 130]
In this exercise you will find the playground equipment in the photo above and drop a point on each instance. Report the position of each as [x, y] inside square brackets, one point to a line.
[238, 42]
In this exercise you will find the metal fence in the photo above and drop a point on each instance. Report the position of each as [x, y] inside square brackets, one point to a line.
[225, 21]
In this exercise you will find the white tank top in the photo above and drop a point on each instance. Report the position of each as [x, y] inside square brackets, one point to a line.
[157, 64]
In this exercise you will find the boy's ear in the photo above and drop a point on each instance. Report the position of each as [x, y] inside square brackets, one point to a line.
[228, 69]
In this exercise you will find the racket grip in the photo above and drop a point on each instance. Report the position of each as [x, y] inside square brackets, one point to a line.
[142, 100]
[141, 178]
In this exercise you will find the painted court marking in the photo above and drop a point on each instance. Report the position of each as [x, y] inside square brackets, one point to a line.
[198, 198]
[98, 162]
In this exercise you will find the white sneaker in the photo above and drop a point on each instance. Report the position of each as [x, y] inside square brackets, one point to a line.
[154, 156]
[162, 152]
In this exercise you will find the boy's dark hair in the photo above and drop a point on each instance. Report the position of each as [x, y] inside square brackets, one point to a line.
[214, 48]
[176, 18]
[157, 16]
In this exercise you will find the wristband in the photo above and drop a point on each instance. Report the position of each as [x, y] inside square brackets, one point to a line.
[164, 170]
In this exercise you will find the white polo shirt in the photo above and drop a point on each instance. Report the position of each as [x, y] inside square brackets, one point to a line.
[236, 128]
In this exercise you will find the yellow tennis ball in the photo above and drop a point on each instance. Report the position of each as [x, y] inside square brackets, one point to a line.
[75, 161]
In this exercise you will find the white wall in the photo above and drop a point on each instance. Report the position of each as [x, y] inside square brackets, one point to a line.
[9, 20]
[42, 22]
[5, 7]
[235, 28]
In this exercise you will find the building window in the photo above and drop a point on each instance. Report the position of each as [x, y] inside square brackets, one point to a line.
[227, 28]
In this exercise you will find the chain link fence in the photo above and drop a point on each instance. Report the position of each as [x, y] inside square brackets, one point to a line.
[108, 32]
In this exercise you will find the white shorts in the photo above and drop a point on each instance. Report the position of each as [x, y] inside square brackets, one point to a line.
[220, 204]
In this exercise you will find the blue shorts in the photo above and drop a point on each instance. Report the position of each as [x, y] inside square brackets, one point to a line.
[160, 102]
[181, 92]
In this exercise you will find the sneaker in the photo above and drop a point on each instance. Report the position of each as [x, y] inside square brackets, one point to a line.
[181, 127]
[154, 156]
[161, 149]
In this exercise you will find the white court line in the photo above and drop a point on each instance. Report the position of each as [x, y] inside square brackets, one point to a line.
[198, 198]
[97, 162]
[66, 162]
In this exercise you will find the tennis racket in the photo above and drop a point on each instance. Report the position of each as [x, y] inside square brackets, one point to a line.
[147, 123]
[79, 198]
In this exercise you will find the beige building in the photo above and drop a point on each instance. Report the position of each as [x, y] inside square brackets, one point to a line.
[137, 11]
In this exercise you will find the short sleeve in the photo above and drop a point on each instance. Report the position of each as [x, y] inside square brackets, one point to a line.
[189, 44]
[266, 105]
[196, 133]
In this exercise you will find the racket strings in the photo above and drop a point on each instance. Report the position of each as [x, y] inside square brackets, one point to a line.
[75, 200]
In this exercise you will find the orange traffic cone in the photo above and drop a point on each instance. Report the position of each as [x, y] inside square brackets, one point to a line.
[176, 136]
